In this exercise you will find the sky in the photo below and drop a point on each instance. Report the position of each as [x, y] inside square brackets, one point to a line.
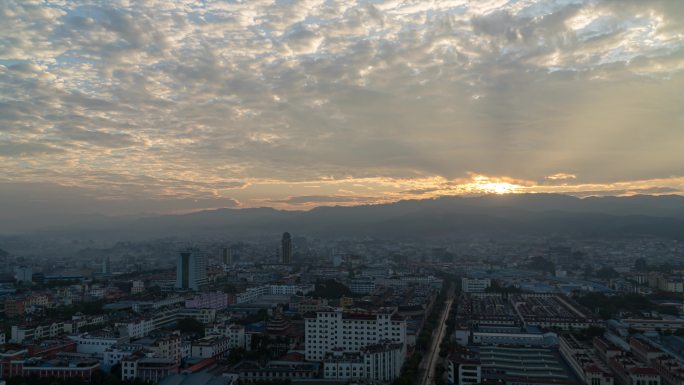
[123, 107]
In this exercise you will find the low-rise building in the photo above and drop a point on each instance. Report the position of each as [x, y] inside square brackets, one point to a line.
[234, 332]
[97, 342]
[475, 285]
[210, 347]
[148, 369]
[250, 371]
[463, 367]
[380, 362]
[213, 300]
[21, 334]
[629, 371]
[671, 370]
[63, 368]
[586, 365]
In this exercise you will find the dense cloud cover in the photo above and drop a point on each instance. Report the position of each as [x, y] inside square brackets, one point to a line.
[122, 107]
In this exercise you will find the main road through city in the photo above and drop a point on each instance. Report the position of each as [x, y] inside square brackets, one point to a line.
[430, 361]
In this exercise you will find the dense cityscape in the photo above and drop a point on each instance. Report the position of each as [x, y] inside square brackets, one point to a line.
[362, 311]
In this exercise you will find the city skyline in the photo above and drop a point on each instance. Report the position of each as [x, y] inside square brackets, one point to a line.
[121, 108]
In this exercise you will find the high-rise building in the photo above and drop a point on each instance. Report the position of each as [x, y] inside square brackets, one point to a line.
[23, 274]
[226, 256]
[340, 331]
[106, 266]
[191, 269]
[286, 244]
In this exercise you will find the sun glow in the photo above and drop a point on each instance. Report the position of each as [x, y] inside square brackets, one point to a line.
[483, 184]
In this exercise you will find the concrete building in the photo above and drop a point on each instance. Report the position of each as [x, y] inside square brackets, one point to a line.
[23, 275]
[226, 256]
[475, 285]
[286, 248]
[97, 343]
[210, 347]
[213, 300]
[253, 294]
[629, 371]
[21, 334]
[505, 335]
[148, 369]
[137, 287]
[106, 266]
[249, 371]
[115, 353]
[586, 365]
[337, 330]
[361, 285]
[379, 362]
[191, 270]
[60, 367]
[463, 368]
[234, 332]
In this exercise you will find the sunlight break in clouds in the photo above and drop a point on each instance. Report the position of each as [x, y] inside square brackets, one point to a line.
[174, 106]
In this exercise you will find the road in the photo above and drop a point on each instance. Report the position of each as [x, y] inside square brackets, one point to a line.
[432, 358]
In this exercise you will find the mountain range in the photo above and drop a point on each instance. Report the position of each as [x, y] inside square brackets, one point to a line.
[489, 215]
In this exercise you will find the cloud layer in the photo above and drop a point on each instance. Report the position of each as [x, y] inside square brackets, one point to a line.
[302, 103]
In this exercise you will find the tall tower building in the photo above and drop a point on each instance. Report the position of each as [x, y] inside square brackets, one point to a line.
[226, 256]
[286, 245]
[191, 270]
[106, 266]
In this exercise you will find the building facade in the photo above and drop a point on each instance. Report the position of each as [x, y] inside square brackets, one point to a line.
[191, 270]
[337, 330]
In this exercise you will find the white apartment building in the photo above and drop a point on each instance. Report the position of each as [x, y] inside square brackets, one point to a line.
[137, 287]
[337, 330]
[115, 353]
[463, 368]
[361, 285]
[210, 346]
[475, 285]
[234, 332]
[22, 333]
[253, 294]
[148, 369]
[586, 365]
[139, 328]
[96, 343]
[381, 362]
[168, 347]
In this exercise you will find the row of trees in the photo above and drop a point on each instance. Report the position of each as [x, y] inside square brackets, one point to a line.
[431, 322]
[411, 368]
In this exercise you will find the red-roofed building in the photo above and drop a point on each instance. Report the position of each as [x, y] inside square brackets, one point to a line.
[630, 372]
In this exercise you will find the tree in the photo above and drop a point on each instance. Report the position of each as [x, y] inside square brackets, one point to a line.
[607, 272]
[331, 289]
[542, 264]
[191, 326]
[668, 309]
[641, 265]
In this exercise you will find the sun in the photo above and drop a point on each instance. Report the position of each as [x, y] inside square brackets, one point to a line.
[484, 184]
[498, 188]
